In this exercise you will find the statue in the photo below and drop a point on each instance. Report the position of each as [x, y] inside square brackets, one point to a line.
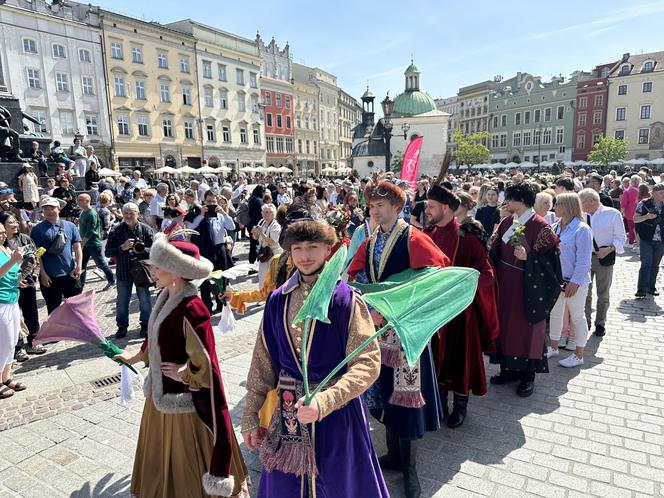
[9, 143]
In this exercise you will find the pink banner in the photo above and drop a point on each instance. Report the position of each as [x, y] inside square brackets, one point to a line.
[410, 160]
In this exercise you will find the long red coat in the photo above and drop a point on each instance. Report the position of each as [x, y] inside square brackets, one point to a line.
[458, 346]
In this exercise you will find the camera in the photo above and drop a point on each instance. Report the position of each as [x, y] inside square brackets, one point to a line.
[211, 212]
[171, 213]
[138, 247]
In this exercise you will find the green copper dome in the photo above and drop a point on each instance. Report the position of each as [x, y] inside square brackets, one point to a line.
[368, 94]
[413, 103]
[412, 69]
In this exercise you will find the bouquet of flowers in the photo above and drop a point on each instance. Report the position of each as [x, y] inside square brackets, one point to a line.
[517, 235]
[339, 218]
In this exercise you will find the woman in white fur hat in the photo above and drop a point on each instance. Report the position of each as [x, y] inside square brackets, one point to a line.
[186, 444]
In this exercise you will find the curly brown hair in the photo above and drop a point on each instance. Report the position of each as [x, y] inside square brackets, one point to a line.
[309, 231]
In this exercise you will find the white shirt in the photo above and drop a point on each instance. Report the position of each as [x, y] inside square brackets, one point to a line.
[156, 206]
[202, 188]
[283, 199]
[140, 183]
[607, 227]
[516, 221]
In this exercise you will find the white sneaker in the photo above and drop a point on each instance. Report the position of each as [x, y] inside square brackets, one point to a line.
[571, 361]
[571, 345]
[562, 342]
[551, 352]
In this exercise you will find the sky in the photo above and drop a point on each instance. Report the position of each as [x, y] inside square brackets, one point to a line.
[453, 43]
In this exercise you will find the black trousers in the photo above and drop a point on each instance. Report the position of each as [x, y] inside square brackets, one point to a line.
[27, 301]
[253, 248]
[60, 288]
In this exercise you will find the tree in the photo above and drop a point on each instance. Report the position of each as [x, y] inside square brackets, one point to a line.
[469, 148]
[608, 150]
[397, 162]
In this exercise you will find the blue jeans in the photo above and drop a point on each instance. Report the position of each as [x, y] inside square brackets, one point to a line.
[99, 259]
[122, 304]
[651, 253]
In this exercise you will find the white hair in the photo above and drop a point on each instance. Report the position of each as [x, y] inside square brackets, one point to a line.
[269, 207]
[588, 193]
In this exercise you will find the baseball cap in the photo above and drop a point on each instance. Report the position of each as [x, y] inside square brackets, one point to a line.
[52, 201]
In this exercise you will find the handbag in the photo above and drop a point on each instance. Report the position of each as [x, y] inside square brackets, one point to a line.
[59, 242]
[139, 273]
[265, 253]
[609, 259]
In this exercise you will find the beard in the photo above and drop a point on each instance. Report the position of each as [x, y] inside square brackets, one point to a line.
[314, 272]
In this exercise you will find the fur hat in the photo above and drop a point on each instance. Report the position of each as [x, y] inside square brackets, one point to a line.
[309, 231]
[179, 257]
[444, 196]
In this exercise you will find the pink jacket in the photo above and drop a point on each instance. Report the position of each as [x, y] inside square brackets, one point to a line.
[629, 201]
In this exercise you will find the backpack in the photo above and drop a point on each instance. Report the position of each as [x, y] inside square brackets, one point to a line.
[243, 217]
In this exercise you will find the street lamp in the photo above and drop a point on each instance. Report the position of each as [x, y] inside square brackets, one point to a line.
[388, 106]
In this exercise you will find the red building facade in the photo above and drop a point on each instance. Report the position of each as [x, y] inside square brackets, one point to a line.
[592, 97]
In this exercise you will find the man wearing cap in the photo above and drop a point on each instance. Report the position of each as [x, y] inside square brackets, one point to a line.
[130, 240]
[458, 346]
[60, 268]
[595, 182]
[90, 229]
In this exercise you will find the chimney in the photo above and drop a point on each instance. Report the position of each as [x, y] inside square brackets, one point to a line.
[625, 57]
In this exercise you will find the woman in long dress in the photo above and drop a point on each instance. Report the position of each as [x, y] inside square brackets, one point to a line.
[28, 181]
[186, 444]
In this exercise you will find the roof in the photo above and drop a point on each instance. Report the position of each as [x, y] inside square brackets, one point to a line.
[412, 69]
[368, 94]
[412, 103]
[637, 61]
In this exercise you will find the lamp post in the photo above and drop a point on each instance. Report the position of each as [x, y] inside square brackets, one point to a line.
[388, 106]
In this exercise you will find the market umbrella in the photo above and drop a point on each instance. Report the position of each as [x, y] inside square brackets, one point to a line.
[527, 164]
[206, 170]
[104, 172]
[166, 169]
[187, 170]
[659, 160]
[248, 169]
[272, 169]
[637, 162]
[223, 169]
[512, 164]
[284, 169]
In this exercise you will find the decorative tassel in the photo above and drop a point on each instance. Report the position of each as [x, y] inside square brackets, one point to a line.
[407, 399]
[290, 458]
[389, 356]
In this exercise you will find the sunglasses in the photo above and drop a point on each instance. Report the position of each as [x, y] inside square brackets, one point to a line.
[380, 191]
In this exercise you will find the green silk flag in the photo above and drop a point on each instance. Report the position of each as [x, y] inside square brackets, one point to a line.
[417, 303]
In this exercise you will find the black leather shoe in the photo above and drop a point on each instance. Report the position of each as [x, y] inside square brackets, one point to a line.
[640, 294]
[504, 378]
[654, 292]
[599, 331]
[526, 388]
[392, 460]
[121, 333]
[458, 412]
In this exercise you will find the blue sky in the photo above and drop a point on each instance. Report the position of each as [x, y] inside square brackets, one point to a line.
[454, 43]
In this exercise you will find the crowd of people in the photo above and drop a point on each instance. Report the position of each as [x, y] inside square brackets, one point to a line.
[541, 245]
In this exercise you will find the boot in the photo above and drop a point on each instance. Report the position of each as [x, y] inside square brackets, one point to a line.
[408, 454]
[443, 400]
[391, 460]
[458, 412]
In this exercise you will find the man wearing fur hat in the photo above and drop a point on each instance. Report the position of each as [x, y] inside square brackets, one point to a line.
[186, 444]
[324, 448]
[458, 346]
[410, 399]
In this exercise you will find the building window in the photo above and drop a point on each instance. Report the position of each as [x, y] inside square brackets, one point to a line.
[223, 97]
[244, 139]
[40, 116]
[254, 103]
[221, 68]
[560, 135]
[253, 80]
[29, 46]
[209, 128]
[647, 86]
[164, 93]
[88, 85]
[84, 55]
[277, 100]
[307, 144]
[140, 89]
[268, 119]
[648, 67]
[644, 134]
[269, 144]
[495, 122]
[167, 126]
[289, 145]
[59, 51]
[503, 120]
[162, 60]
[625, 69]
[208, 97]
[91, 126]
[306, 122]
[596, 137]
[287, 101]
[137, 55]
[184, 65]
[622, 89]
[279, 122]
[207, 69]
[189, 130]
[288, 122]
[547, 114]
[526, 138]
[583, 102]
[123, 124]
[315, 148]
[119, 87]
[257, 136]
[599, 100]
[67, 122]
[267, 98]
[226, 132]
[516, 139]
[116, 50]
[241, 102]
[537, 137]
[597, 117]
[526, 117]
[581, 141]
[143, 122]
[299, 146]
[645, 112]
[581, 120]
[620, 114]
[503, 140]
[239, 76]
[298, 121]
[34, 78]
[547, 137]
[61, 82]
[619, 134]
[186, 95]
[561, 112]
[279, 142]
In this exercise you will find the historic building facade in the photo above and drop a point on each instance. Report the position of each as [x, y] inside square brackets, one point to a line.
[153, 93]
[52, 60]
[591, 104]
[228, 74]
[532, 120]
[350, 115]
[277, 98]
[473, 114]
[451, 106]
[305, 112]
[636, 104]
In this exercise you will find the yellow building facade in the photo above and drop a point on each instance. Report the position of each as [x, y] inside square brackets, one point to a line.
[305, 114]
[151, 83]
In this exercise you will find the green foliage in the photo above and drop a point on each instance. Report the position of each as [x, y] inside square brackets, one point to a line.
[470, 150]
[608, 150]
[397, 162]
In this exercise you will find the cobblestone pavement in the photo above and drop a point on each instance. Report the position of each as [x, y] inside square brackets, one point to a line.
[594, 431]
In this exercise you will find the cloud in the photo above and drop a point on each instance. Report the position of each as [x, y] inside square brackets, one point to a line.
[382, 74]
[601, 31]
[369, 52]
[610, 19]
